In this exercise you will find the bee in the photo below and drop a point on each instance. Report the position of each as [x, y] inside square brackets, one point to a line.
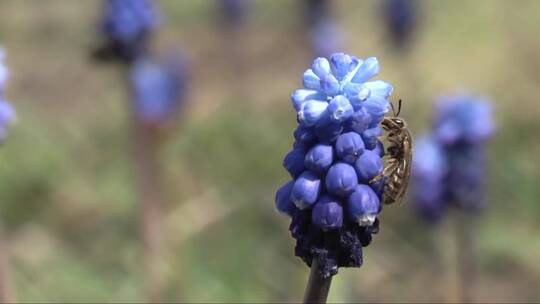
[399, 157]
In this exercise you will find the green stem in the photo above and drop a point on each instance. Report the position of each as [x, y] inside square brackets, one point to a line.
[317, 287]
[465, 230]
[148, 180]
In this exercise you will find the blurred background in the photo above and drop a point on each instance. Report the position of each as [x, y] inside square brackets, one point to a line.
[68, 196]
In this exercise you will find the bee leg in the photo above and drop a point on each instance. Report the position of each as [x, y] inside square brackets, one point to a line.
[392, 166]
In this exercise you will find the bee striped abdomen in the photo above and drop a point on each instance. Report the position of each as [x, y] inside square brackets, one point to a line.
[397, 168]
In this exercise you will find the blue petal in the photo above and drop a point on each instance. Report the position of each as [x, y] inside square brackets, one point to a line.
[340, 109]
[376, 106]
[341, 180]
[302, 95]
[354, 68]
[328, 130]
[311, 80]
[379, 149]
[357, 93]
[359, 121]
[321, 67]
[330, 85]
[368, 165]
[305, 191]
[294, 162]
[341, 64]
[283, 201]
[363, 205]
[357, 90]
[380, 88]
[305, 136]
[368, 69]
[312, 111]
[371, 137]
[319, 158]
[349, 146]
[327, 213]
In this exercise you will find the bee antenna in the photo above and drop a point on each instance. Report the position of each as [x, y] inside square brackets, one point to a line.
[399, 108]
[394, 109]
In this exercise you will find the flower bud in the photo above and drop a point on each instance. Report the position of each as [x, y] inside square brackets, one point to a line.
[371, 137]
[330, 85]
[349, 146]
[321, 67]
[319, 158]
[363, 205]
[368, 68]
[341, 64]
[311, 81]
[368, 165]
[341, 179]
[305, 191]
[340, 109]
[327, 214]
[312, 111]
[284, 204]
[294, 162]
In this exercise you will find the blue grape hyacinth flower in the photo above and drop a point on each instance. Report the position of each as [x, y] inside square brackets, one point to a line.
[159, 87]
[462, 125]
[401, 20]
[7, 117]
[327, 213]
[4, 73]
[7, 112]
[316, 10]
[126, 26]
[428, 173]
[463, 118]
[325, 37]
[337, 153]
[342, 78]
[449, 166]
[233, 12]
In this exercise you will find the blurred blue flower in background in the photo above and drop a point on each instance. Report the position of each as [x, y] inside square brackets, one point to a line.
[315, 11]
[449, 166]
[4, 73]
[159, 87]
[401, 20]
[126, 26]
[7, 112]
[326, 37]
[463, 118]
[429, 170]
[233, 12]
[336, 154]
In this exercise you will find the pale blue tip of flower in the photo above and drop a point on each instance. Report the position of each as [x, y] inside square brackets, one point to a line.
[299, 97]
[340, 109]
[379, 88]
[368, 68]
[312, 111]
[376, 105]
[342, 64]
[321, 67]
[311, 80]
[330, 85]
